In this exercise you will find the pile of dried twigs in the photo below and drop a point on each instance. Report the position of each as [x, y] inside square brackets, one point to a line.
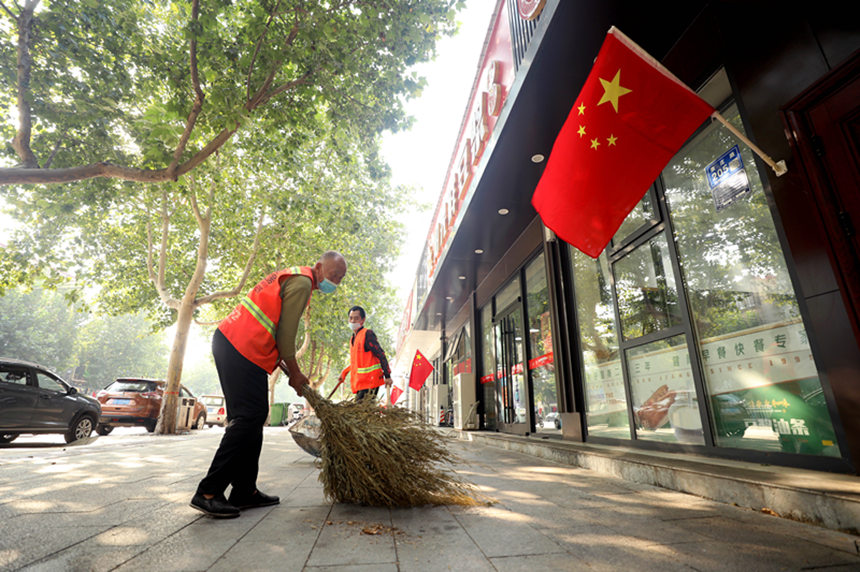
[378, 456]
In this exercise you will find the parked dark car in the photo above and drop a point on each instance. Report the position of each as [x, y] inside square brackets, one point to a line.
[35, 400]
[136, 402]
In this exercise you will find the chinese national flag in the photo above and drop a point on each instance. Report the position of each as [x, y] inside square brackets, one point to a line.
[396, 392]
[630, 118]
[421, 368]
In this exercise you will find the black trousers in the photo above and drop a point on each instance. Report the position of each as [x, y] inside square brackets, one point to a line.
[245, 386]
[365, 393]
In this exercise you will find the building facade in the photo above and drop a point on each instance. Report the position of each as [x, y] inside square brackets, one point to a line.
[720, 320]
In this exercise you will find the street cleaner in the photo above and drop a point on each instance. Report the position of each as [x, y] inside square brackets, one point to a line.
[247, 347]
[368, 367]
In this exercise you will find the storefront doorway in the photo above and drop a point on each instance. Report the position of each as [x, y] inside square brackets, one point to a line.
[512, 391]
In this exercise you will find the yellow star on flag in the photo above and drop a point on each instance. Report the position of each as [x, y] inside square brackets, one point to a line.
[611, 140]
[595, 143]
[581, 108]
[581, 131]
[612, 90]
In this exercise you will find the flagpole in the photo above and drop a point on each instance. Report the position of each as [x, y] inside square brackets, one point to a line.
[778, 166]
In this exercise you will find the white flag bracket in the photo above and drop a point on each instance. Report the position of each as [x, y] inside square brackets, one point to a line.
[778, 167]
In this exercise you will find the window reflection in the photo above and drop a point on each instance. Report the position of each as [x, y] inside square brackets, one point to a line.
[646, 290]
[665, 405]
[605, 398]
[541, 362]
[759, 370]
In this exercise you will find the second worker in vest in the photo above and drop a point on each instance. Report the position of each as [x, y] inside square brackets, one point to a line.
[368, 366]
[247, 346]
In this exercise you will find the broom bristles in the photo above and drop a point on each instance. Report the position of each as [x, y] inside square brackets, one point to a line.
[384, 456]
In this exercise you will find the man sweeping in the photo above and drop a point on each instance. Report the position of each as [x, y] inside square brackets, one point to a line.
[368, 367]
[247, 346]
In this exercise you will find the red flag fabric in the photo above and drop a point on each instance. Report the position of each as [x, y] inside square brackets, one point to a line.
[421, 368]
[396, 392]
[630, 118]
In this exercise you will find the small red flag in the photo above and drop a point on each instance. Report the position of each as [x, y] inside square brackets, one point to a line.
[421, 368]
[630, 118]
[396, 392]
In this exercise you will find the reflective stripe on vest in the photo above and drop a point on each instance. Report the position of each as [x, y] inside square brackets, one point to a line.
[369, 369]
[258, 314]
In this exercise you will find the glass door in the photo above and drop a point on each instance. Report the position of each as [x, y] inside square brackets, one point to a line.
[512, 395]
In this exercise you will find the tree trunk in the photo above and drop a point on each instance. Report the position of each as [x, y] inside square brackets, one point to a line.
[167, 419]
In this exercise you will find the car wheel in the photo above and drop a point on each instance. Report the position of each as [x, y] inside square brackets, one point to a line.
[557, 424]
[80, 429]
[8, 437]
[104, 429]
[150, 425]
[201, 421]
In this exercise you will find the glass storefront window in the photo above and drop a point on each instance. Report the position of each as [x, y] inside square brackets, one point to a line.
[665, 405]
[488, 368]
[605, 398]
[541, 362]
[760, 374]
[508, 295]
[646, 290]
[642, 214]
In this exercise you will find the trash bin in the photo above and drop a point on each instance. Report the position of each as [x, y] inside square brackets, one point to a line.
[185, 413]
[277, 414]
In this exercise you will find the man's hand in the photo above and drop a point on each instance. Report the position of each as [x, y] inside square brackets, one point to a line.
[388, 382]
[298, 382]
[297, 379]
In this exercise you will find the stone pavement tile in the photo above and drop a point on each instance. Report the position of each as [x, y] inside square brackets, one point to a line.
[355, 568]
[755, 556]
[613, 552]
[196, 546]
[651, 529]
[747, 526]
[309, 496]
[501, 532]
[342, 543]
[282, 540]
[23, 546]
[431, 538]
[533, 562]
[94, 559]
[109, 515]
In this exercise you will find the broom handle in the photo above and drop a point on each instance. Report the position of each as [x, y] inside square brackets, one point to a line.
[335, 389]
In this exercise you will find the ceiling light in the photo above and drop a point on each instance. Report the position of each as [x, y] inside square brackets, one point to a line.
[449, 298]
[479, 251]
[503, 212]
[461, 277]
[537, 158]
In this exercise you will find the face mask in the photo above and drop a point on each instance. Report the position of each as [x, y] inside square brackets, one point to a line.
[327, 286]
[355, 326]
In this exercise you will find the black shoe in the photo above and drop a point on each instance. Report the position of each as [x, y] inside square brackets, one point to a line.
[253, 500]
[216, 507]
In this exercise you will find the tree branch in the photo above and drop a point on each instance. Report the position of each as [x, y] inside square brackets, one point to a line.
[257, 49]
[21, 141]
[198, 95]
[8, 11]
[53, 153]
[159, 287]
[248, 265]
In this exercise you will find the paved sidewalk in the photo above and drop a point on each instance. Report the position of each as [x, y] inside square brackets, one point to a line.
[121, 503]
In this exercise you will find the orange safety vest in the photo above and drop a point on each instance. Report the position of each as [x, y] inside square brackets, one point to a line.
[252, 326]
[365, 371]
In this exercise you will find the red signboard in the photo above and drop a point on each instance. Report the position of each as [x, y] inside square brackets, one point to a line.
[492, 84]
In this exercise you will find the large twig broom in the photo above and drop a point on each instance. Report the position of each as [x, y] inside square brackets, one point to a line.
[377, 456]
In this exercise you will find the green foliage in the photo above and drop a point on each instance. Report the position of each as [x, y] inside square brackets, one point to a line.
[40, 326]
